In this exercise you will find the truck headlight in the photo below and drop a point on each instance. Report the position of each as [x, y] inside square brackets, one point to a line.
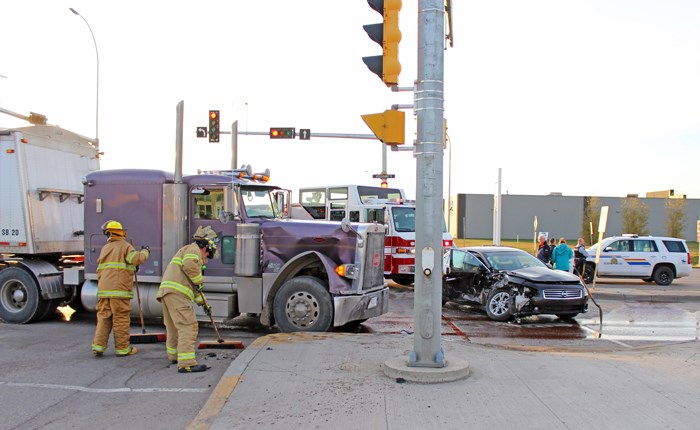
[349, 271]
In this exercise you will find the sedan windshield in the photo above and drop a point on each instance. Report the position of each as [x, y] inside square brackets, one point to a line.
[511, 260]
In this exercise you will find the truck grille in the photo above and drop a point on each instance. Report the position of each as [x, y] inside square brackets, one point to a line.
[555, 294]
[374, 261]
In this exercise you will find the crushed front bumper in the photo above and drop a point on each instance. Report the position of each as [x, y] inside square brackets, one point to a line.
[360, 307]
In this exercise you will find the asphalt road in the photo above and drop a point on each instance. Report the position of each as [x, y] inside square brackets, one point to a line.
[50, 379]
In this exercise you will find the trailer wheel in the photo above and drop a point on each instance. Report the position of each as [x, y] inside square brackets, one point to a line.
[20, 298]
[303, 304]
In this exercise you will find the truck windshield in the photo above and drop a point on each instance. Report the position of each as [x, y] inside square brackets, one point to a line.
[405, 219]
[367, 193]
[258, 203]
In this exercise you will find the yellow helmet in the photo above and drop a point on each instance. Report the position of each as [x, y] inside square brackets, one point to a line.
[113, 227]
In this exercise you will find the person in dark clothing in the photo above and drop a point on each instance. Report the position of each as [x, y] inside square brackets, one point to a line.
[580, 256]
[544, 252]
[552, 245]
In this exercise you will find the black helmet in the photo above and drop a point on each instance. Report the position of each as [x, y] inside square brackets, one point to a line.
[207, 244]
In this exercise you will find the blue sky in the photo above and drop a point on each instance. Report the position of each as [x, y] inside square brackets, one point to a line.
[595, 97]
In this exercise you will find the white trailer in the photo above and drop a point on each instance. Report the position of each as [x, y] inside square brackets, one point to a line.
[41, 218]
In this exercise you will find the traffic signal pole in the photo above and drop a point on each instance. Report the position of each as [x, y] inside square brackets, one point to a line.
[427, 362]
[429, 107]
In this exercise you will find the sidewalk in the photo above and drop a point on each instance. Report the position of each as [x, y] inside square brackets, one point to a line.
[337, 381]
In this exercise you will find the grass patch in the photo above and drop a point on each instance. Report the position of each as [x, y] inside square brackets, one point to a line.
[529, 246]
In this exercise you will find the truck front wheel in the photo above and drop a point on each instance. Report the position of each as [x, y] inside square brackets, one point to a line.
[303, 304]
[20, 298]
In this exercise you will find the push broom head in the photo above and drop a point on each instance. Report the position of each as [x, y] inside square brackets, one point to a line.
[221, 344]
[147, 337]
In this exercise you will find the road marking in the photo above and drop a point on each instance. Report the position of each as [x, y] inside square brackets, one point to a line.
[105, 390]
[602, 336]
[215, 404]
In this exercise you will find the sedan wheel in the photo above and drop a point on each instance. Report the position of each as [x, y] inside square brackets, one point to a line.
[498, 305]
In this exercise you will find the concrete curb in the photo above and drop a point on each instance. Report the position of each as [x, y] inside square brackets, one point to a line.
[229, 381]
[642, 297]
[637, 295]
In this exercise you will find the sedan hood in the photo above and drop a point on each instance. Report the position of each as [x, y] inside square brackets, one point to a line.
[543, 274]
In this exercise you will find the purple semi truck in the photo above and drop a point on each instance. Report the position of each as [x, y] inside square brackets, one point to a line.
[299, 275]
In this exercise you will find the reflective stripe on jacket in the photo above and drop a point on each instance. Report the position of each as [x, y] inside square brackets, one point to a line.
[115, 268]
[184, 273]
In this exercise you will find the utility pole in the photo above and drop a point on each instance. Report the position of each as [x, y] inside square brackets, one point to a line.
[429, 106]
[427, 362]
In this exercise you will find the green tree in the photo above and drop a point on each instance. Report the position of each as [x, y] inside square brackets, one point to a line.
[675, 217]
[635, 216]
[591, 217]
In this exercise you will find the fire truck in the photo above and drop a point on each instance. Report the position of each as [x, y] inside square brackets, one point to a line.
[298, 275]
[364, 203]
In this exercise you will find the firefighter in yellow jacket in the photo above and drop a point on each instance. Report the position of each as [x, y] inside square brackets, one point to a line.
[179, 291]
[116, 265]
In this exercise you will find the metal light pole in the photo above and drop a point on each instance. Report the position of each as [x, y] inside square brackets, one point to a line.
[429, 97]
[97, 90]
[427, 362]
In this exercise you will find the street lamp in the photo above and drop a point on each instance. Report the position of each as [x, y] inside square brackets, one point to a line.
[97, 91]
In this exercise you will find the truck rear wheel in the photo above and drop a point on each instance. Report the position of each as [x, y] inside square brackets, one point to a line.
[303, 304]
[20, 298]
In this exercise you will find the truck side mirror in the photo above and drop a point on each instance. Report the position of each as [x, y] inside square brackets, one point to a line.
[230, 211]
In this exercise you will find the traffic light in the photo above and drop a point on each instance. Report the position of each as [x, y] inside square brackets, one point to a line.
[389, 126]
[388, 35]
[385, 184]
[213, 126]
[282, 133]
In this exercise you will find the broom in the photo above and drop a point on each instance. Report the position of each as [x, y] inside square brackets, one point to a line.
[144, 337]
[220, 343]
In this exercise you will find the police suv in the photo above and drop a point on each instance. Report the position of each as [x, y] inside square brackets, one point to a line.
[652, 259]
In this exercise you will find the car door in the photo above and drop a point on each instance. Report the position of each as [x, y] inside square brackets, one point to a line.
[463, 270]
[643, 257]
[613, 258]
[206, 203]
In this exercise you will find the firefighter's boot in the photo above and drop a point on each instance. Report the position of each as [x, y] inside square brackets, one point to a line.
[195, 368]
